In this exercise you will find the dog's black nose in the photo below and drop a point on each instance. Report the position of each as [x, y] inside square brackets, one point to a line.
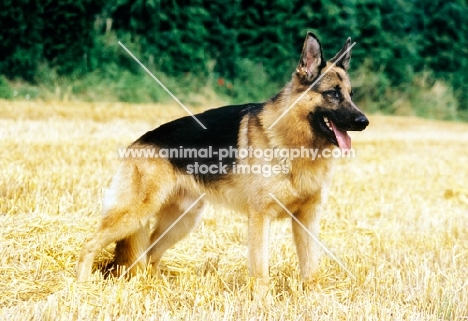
[361, 121]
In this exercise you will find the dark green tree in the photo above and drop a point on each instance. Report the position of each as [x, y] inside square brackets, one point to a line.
[21, 39]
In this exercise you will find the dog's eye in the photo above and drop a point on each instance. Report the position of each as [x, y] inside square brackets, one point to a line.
[335, 94]
[351, 93]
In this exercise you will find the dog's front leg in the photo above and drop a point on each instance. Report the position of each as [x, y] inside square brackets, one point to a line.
[258, 230]
[308, 250]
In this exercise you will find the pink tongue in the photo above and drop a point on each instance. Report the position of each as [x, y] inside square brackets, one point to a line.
[344, 141]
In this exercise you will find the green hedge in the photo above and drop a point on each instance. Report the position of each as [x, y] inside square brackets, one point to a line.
[243, 49]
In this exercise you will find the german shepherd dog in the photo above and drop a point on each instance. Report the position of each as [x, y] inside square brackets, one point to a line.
[163, 190]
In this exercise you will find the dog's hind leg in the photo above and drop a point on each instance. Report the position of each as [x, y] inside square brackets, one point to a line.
[130, 252]
[119, 223]
[135, 194]
[168, 232]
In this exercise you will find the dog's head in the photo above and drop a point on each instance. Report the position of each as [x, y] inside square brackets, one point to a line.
[328, 103]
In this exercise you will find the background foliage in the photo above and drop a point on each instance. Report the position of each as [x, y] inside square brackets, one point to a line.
[411, 56]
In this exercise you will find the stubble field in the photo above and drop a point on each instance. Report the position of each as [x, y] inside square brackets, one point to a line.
[397, 217]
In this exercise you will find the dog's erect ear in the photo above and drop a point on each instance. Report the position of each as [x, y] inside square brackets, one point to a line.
[312, 61]
[344, 61]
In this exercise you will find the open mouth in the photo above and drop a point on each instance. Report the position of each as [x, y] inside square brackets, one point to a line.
[334, 134]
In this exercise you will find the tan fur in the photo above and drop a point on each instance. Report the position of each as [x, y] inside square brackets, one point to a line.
[145, 189]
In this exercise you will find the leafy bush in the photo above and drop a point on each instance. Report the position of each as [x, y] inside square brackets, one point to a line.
[242, 50]
[6, 92]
